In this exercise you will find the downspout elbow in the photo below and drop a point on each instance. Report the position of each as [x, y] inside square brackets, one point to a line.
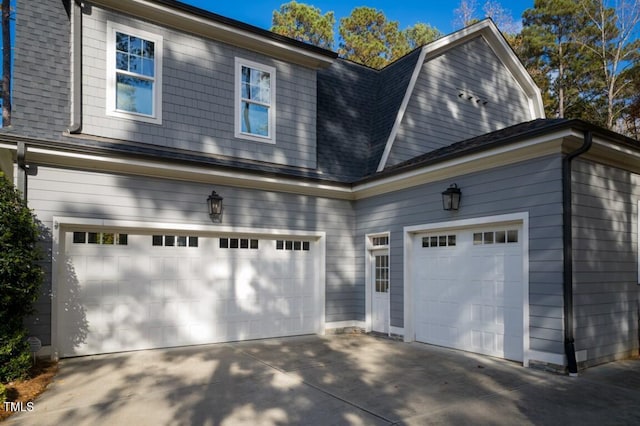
[569, 338]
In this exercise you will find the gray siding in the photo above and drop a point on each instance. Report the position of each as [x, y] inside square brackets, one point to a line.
[41, 69]
[198, 97]
[606, 291]
[436, 116]
[55, 192]
[534, 186]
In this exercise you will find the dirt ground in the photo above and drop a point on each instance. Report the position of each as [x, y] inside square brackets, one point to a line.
[40, 375]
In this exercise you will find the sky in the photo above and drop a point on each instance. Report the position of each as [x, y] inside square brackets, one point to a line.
[438, 14]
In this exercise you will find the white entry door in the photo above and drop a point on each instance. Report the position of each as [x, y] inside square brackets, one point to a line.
[380, 291]
[469, 290]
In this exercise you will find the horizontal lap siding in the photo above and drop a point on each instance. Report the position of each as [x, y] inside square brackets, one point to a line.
[534, 187]
[436, 116]
[198, 97]
[55, 192]
[605, 246]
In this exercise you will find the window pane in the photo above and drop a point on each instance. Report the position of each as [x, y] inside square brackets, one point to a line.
[254, 244]
[452, 240]
[255, 119]
[182, 241]
[169, 240]
[305, 245]
[512, 236]
[289, 245]
[122, 61]
[297, 245]
[224, 243]
[434, 242]
[157, 240]
[425, 242]
[443, 241]
[123, 239]
[108, 238]
[135, 45]
[477, 238]
[193, 241]
[134, 94]
[233, 243]
[488, 237]
[92, 237]
[279, 245]
[79, 237]
[244, 243]
[500, 237]
[148, 49]
[122, 42]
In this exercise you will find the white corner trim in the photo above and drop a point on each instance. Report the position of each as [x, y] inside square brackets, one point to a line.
[402, 110]
[638, 239]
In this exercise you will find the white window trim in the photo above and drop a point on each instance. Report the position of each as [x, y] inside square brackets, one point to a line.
[239, 63]
[156, 117]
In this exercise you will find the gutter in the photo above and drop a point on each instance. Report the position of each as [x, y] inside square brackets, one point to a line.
[76, 72]
[567, 243]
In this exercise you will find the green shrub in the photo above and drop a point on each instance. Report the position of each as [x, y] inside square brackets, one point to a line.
[20, 279]
[3, 394]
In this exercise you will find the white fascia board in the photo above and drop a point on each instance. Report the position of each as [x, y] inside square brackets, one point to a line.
[531, 148]
[158, 169]
[168, 16]
[401, 111]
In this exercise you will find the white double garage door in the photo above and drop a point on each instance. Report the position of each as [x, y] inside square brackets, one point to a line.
[468, 289]
[121, 291]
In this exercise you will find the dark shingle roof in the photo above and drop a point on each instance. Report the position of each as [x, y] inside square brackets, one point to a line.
[357, 107]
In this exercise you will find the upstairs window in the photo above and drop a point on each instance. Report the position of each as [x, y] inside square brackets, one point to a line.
[134, 67]
[255, 101]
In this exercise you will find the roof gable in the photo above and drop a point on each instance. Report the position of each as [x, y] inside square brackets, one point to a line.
[489, 33]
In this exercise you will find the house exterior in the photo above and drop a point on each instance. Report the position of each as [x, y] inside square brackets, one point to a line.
[331, 176]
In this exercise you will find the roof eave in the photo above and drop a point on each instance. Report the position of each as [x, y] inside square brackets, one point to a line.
[206, 24]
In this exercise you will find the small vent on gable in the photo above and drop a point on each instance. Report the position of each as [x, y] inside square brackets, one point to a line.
[472, 97]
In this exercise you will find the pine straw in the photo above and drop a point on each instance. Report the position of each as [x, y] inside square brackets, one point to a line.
[39, 377]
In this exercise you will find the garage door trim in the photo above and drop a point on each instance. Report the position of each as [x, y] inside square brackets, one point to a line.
[408, 235]
[64, 224]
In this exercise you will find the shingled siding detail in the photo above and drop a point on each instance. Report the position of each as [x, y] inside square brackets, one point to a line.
[534, 186]
[198, 97]
[41, 69]
[437, 116]
[68, 193]
[606, 291]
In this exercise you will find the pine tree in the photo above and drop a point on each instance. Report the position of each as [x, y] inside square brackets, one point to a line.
[304, 23]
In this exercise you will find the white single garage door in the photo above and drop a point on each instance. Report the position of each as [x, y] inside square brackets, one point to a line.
[120, 291]
[469, 291]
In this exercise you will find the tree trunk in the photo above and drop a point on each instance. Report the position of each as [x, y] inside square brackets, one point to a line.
[6, 63]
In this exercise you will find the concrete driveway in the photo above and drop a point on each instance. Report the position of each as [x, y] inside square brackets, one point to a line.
[343, 380]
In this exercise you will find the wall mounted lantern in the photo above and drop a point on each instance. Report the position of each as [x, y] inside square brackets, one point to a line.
[215, 206]
[451, 198]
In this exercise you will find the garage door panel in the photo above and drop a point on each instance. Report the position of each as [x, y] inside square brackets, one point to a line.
[469, 294]
[139, 295]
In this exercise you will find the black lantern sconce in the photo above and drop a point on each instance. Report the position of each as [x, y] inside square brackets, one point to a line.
[451, 198]
[215, 206]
